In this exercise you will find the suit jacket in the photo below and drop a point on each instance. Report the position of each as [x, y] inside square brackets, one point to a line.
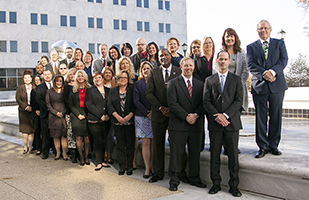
[98, 65]
[50, 67]
[156, 91]
[33, 102]
[40, 97]
[257, 64]
[136, 60]
[201, 71]
[74, 105]
[139, 98]
[113, 104]
[96, 105]
[21, 97]
[65, 61]
[181, 104]
[229, 102]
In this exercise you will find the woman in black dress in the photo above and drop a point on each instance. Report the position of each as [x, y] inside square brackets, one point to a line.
[78, 115]
[96, 103]
[121, 108]
[56, 121]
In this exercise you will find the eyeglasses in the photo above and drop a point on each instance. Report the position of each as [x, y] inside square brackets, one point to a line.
[196, 47]
[123, 78]
[140, 44]
[263, 28]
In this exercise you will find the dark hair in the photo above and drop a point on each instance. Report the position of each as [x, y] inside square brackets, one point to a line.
[108, 68]
[130, 82]
[97, 74]
[191, 45]
[68, 48]
[74, 54]
[55, 79]
[45, 58]
[218, 54]
[126, 45]
[27, 72]
[230, 31]
[114, 47]
[147, 51]
[87, 52]
[39, 78]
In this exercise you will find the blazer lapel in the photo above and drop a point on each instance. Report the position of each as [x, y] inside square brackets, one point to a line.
[270, 48]
[173, 73]
[184, 87]
[260, 49]
[227, 82]
[218, 84]
[161, 75]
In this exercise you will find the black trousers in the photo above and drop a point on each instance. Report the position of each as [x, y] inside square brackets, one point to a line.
[99, 134]
[45, 136]
[231, 141]
[37, 133]
[125, 137]
[178, 141]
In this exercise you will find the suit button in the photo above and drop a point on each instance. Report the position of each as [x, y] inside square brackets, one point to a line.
[222, 101]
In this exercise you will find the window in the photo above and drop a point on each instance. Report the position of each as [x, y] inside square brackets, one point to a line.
[161, 47]
[138, 3]
[123, 24]
[99, 1]
[116, 24]
[123, 2]
[98, 47]
[91, 48]
[161, 27]
[44, 19]
[13, 18]
[63, 20]
[44, 46]
[117, 45]
[34, 18]
[99, 23]
[11, 78]
[72, 21]
[167, 5]
[90, 0]
[115, 2]
[168, 28]
[146, 25]
[34, 47]
[2, 17]
[90, 22]
[160, 5]
[146, 3]
[13, 46]
[139, 26]
[2, 46]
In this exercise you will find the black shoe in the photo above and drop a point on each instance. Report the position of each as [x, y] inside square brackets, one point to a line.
[154, 178]
[57, 158]
[173, 187]
[184, 179]
[121, 172]
[146, 176]
[38, 153]
[261, 153]
[106, 165]
[239, 152]
[44, 157]
[81, 164]
[98, 168]
[275, 152]
[31, 151]
[129, 172]
[214, 189]
[235, 192]
[199, 184]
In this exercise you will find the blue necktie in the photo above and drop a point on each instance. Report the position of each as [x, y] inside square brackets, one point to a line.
[222, 82]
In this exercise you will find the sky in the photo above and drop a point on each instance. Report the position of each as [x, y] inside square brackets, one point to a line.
[212, 17]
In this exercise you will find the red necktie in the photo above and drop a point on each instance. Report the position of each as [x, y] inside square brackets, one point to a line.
[104, 62]
[189, 88]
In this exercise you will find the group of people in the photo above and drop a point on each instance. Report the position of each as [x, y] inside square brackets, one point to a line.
[83, 103]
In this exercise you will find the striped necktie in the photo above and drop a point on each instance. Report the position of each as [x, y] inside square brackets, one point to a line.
[265, 48]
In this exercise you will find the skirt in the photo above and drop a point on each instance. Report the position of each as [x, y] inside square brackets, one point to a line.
[25, 122]
[143, 127]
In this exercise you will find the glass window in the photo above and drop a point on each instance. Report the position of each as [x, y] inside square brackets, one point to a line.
[147, 28]
[99, 1]
[91, 48]
[2, 17]
[138, 3]
[11, 72]
[115, 2]
[13, 46]
[161, 47]
[160, 4]
[161, 27]
[117, 45]
[34, 18]
[167, 5]
[123, 24]
[90, 22]
[99, 23]
[139, 26]
[13, 18]
[44, 19]
[146, 3]
[20, 72]
[123, 2]
[167, 28]
[72, 21]
[63, 20]
[34, 47]
[2, 72]
[90, 0]
[98, 47]
[116, 24]
[2, 46]
[12, 82]
[44, 46]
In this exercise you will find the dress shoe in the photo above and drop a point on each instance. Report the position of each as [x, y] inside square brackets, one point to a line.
[275, 152]
[81, 164]
[184, 179]
[65, 159]
[261, 153]
[57, 158]
[38, 153]
[214, 189]
[31, 151]
[146, 176]
[173, 187]
[235, 192]
[129, 172]
[154, 178]
[87, 163]
[106, 166]
[44, 157]
[199, 184]
[98, 168]
[121, 172]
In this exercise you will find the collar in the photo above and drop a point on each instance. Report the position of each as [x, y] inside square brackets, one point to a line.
[186, 79]
[169, 69]
[225, 74]
[268, 40]
[142, 55]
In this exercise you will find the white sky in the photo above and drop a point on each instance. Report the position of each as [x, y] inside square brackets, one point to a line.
[212, 17]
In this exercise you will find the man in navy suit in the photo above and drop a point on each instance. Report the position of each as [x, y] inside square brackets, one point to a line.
[222, 99]
[266, 59]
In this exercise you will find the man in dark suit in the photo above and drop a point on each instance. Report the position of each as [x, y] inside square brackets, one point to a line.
[140, 55]
[53, 65]
[156, 95]
[223, 96]
[266, 59]
[41, 93]
[185, 100]
[100, 63]
[69, 55]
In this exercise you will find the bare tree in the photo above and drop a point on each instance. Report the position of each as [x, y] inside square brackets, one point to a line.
[297, 74]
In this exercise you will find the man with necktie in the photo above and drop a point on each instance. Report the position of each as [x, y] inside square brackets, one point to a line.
[266, 59]
[101, 62]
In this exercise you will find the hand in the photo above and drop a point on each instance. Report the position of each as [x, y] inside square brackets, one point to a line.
[221, 119]
[28, 108]
[59, 114]
[121, 120]
[268, 76]
[166, 112]
[81, 117]
[191, 118]
[127, 118]
[37, 112]
[105, 118]
[149, 115]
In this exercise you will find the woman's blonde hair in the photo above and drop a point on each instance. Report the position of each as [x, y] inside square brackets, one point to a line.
[132, 71]
[76, 84]
[141, 76]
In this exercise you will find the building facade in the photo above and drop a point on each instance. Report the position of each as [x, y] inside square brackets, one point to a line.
[28, 28]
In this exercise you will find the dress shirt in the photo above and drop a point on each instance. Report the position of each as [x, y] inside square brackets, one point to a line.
[49, 84]
[169, 69]
[186, 80]
[225, 76]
